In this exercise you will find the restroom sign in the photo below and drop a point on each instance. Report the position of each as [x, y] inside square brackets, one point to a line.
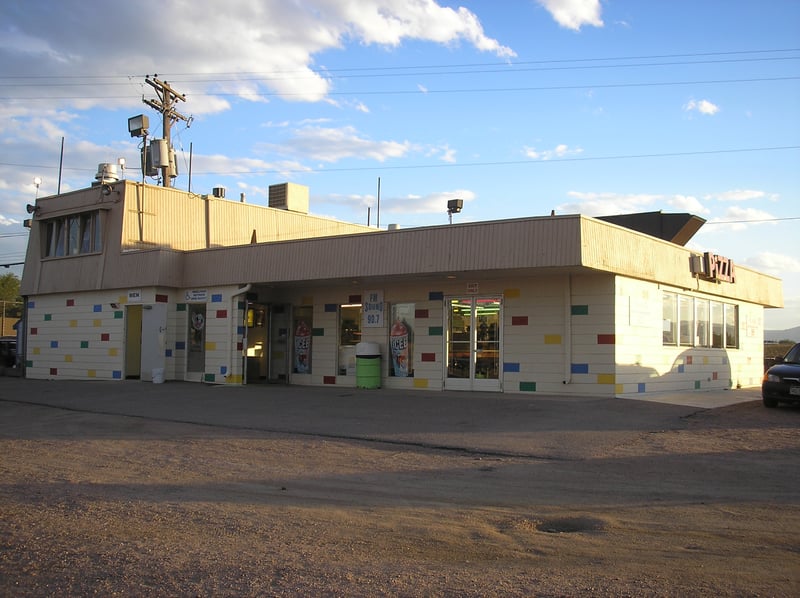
[372, 310]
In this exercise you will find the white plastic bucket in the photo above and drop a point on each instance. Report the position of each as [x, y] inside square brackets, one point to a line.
[158, 375]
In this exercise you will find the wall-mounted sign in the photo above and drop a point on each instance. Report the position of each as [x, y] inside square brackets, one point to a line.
[714, 267]
[135, 296]
[472, 288]
[196, 296]
[372, 309]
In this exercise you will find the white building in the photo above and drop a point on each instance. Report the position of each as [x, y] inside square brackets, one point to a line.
[130, 281]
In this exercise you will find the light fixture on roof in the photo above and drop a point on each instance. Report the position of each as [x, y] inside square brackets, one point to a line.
[37, 180]
[454, 206]
[121, 162]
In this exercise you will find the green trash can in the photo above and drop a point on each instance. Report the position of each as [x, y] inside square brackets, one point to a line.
[368, 365]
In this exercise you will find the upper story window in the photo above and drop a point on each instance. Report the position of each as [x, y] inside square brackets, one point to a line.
[73, 234]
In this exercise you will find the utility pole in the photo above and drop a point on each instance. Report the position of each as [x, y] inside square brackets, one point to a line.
[167, 97]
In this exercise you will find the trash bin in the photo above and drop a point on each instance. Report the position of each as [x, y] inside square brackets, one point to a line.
[158, 375]
[368, 365]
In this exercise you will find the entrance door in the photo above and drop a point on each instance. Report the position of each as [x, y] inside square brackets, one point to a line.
[196, 342]
[474, 343]
[154, 342]
[278, 367]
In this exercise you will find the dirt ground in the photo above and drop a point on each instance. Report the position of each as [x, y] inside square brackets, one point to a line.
[95, 503]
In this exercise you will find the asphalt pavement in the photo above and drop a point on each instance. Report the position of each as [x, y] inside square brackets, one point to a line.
[544, 426]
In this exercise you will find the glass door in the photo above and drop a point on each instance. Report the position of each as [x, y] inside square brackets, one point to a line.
[473, 343]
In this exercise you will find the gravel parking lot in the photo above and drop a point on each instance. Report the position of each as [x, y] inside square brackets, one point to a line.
[184, 489]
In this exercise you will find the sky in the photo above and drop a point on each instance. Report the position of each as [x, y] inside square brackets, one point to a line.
[518, 107]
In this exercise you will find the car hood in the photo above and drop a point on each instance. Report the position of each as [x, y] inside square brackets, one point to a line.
[785, 369]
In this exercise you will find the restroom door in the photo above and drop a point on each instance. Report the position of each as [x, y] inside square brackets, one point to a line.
[474, 347]
[133, 342]
[196, 341]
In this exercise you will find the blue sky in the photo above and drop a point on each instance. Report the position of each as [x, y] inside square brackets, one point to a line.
[519, 107]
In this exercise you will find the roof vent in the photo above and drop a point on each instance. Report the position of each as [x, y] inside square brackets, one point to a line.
[218, 192]
[107, 173]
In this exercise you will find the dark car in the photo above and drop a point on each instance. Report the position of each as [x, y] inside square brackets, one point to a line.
[781, 383]
[8, 351]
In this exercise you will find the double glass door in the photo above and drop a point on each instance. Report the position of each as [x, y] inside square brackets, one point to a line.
[474, 347]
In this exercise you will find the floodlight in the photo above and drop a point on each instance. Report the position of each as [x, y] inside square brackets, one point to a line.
[137, 125]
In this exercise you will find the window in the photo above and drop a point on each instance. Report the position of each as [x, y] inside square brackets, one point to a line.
[349, 337]
[686, 314]
[670, 319]
[701, 319]
[694, 322]
[717, 324]
[731, 326]
[302, 325]
[73, 235]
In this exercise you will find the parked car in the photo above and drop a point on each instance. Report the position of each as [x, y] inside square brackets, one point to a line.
[781, 382]
[8, 351]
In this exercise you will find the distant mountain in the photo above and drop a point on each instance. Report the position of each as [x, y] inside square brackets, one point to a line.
[792, 334]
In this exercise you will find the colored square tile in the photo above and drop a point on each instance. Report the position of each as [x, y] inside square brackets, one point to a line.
[606, 379]
[519, 320]
[606, 339]
[579, 310]
[216, 298]
[420, 383]
[552, 339]
[97, 308]
[428, 357]
[579, 368]
[510, 367]
[421, 313]
[512, 293]
[329, 379]
[436, 296]
[436, 331]
[527, 386]
[331, 308]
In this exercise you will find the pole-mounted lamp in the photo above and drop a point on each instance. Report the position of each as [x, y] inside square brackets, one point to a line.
[454, 206]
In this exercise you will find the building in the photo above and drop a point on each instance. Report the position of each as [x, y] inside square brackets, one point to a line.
[124, 280]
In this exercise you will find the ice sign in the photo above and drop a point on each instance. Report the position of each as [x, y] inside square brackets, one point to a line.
[372, 309]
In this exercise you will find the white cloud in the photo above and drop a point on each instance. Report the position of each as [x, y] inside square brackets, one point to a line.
[702, 106]
[431, 203]
[270, 46]
[606, 203]
[687, 203]
[776, 264]
[737, 195]
[334, 144]
[738, 219]
[560, 151]
[574, 14]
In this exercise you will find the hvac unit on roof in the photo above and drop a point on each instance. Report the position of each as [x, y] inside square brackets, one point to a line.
[107, 173]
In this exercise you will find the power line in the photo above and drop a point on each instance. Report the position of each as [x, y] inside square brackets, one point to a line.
[502, 64]
[464, 164]
[436, 91]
